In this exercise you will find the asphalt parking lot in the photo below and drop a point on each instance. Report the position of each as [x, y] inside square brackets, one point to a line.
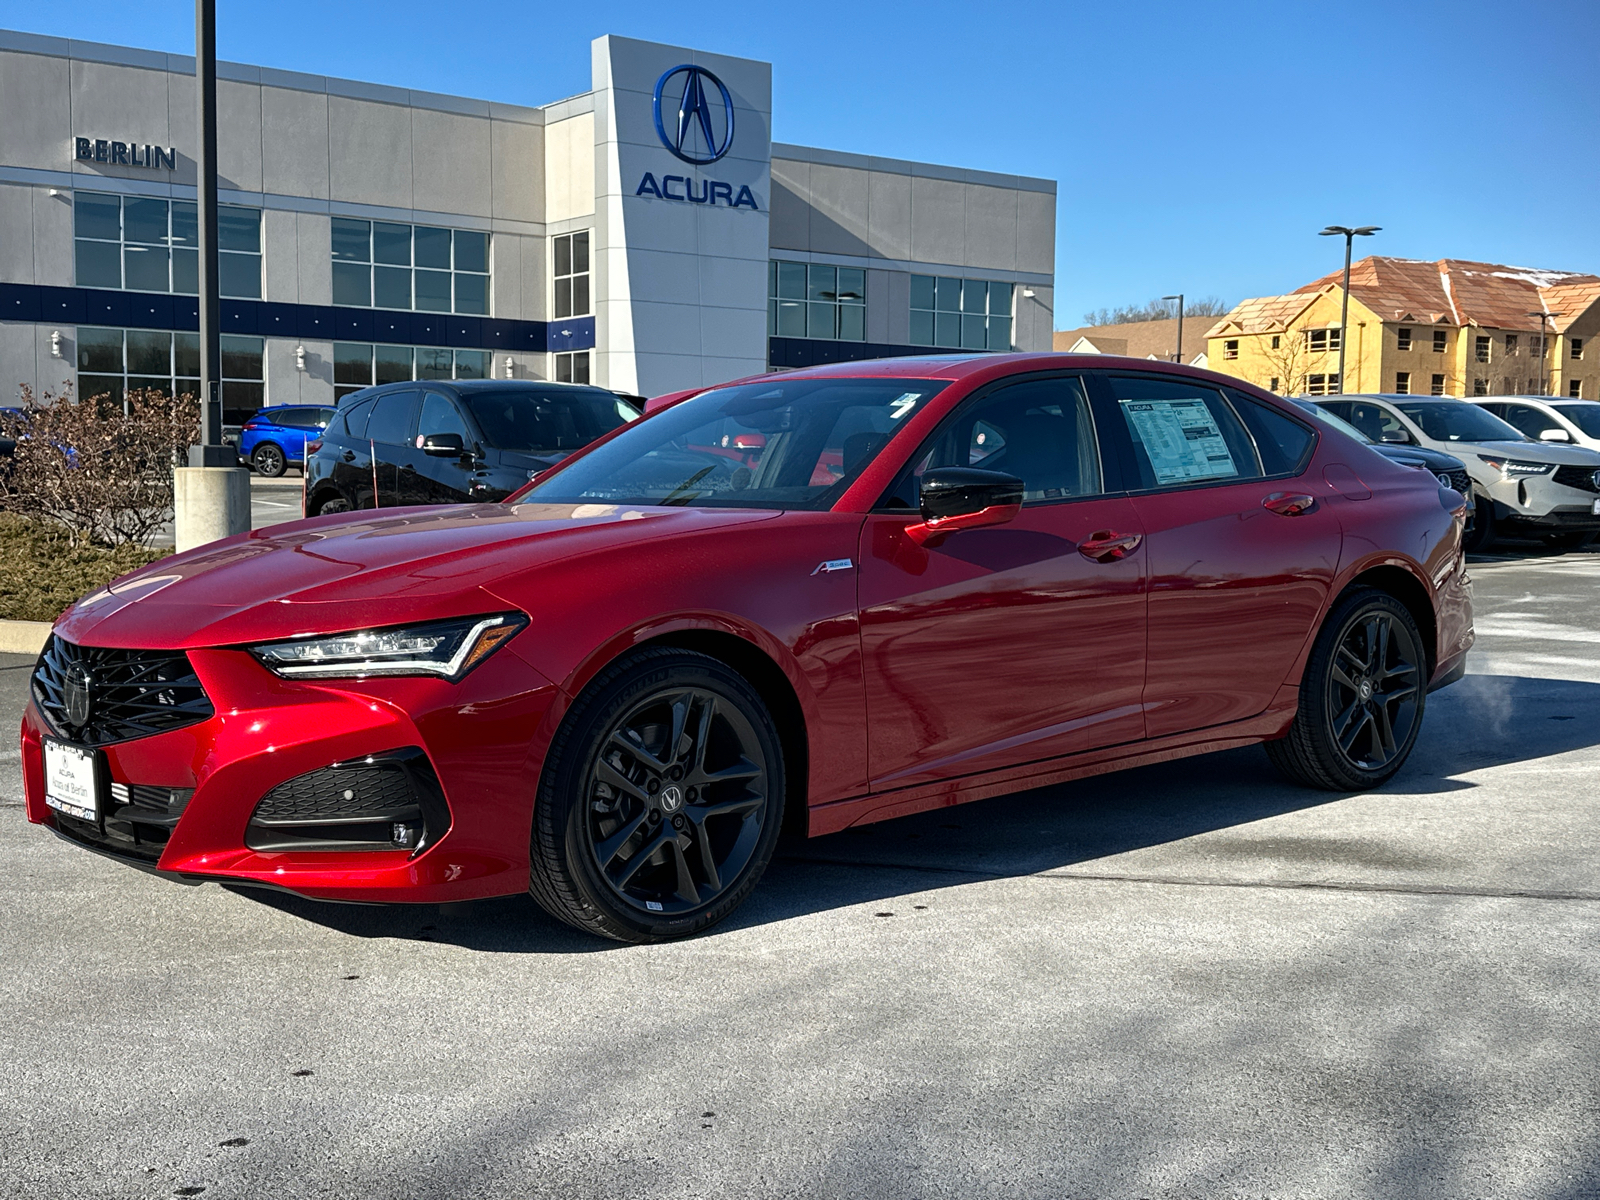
[1187, 980]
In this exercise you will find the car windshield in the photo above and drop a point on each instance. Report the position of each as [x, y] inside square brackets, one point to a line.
[1585, 416]
[544, 420]
[794, 443]
[1339, 423]
[1458, 421]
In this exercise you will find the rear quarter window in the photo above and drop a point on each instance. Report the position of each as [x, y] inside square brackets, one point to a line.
[355, 419]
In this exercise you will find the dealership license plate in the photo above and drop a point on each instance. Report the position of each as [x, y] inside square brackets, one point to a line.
[71, 780]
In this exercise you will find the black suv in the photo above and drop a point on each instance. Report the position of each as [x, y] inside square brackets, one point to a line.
[441, 442]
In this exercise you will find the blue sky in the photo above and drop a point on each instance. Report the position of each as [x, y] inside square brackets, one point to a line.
[1198, 146]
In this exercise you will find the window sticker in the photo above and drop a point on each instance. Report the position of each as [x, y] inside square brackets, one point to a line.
[1182, 439]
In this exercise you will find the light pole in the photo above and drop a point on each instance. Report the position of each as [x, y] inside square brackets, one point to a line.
[1177, 355]
[1344, 305]
[211, 496]
[1544, 345]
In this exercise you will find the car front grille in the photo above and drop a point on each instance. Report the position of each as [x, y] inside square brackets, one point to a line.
[382, 801]
[130, 693]
[1459, 480]
[1585, 479]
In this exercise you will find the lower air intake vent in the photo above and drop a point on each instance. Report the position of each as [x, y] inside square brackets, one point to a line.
[388, 801]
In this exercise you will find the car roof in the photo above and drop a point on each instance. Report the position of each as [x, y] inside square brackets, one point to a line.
[958, 366]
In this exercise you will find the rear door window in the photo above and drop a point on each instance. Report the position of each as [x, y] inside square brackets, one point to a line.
[1282, 443]
[1183, 433]
[392, 418]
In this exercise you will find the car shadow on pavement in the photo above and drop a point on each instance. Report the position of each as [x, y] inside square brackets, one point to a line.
[1482, 721]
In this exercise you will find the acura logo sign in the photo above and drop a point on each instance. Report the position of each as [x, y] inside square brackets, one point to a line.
[77, 695]
[700, 130]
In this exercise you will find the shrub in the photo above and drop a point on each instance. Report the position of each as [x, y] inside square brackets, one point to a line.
[101, 469]
[44, 568]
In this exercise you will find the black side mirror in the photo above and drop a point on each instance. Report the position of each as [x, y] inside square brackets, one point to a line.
[957, 498]
[1395, 437]
[444, 445]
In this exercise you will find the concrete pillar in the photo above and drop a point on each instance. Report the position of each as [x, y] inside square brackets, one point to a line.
[209, 503]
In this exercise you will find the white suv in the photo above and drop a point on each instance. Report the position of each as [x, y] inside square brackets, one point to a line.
[1518, 484]
[1549, 418]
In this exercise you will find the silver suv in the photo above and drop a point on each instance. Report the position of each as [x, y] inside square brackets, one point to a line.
[1549, 418]
[1518, 484]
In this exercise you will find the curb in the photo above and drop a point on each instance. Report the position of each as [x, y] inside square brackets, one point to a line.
[23, 637]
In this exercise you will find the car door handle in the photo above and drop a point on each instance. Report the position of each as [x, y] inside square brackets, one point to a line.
[1109, 546]
[1288, 504]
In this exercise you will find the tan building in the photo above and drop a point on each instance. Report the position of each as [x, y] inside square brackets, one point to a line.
[1446, 328]
[1138, 339]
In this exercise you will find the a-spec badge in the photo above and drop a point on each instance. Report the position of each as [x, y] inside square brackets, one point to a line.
[833, 564]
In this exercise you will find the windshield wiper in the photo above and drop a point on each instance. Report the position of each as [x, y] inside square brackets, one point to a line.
[673, 496]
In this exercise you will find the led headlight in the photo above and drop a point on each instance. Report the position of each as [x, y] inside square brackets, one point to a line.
[446, 648]
[1512, 468]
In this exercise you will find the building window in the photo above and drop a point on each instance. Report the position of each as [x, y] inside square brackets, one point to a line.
[1276, 341]
[1480, 387]
[1481, 349]
[1575, 388]
[1272, 384]
[358, 365]
[1439, 339]
[1322, 385]
[1402, 339]
[1320, 340]
[572, 366]
[1511, 345]
[1230, 348]
[112, 361]
[1437, 386]
[1577, 347]
[965, 314]
[1402, 382]
[571, 257]
[145, 244]
[809, 300]
[1536, 345]
[380, 264]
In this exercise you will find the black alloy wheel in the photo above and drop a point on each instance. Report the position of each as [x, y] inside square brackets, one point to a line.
[269, 461]
[1361, 698]
[661, 803]
[335, 504]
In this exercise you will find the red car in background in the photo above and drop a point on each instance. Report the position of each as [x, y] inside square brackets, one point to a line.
[813, 599]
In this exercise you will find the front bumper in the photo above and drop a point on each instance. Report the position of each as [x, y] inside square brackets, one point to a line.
[1545, 503]
[482, 740]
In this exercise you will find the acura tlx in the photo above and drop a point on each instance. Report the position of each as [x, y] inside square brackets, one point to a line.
[802, 601]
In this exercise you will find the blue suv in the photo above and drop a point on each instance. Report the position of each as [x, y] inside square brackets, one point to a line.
[276, 437]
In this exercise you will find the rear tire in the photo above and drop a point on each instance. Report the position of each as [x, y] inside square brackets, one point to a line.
[1481, 536]
[269, 460]
[334, 504]
[1361, 699]
[661, 799]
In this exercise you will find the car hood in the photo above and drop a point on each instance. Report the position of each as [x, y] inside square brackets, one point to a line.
[352, 571]
[1434, 460]
[1539, 452]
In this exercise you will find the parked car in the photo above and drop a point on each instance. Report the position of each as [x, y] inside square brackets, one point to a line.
[1519, 485]
[1449, 470]
[441, 442]
[275, 438]
[935, 580]
[1549, 418]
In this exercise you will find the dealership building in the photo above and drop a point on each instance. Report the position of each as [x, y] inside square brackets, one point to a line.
[647, 235]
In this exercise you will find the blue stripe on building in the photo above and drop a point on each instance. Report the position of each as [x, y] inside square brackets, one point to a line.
[814, 352]
[260, 318]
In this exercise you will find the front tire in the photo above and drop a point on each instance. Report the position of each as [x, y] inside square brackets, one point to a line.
[661, 799]
[1361, 699]
[269, 460]
[1482, 534]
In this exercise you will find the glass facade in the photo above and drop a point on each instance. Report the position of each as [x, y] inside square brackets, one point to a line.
[110, 361]
[357, 365]
[146, 244]
[381, 264]
[960, 314]
[810, 300]
[570, 257]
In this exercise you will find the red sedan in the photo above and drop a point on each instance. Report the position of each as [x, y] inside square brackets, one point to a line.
[812, 600]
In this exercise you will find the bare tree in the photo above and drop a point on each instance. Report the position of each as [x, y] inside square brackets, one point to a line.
[1157, 310]
[1287, 358]
[101, 469]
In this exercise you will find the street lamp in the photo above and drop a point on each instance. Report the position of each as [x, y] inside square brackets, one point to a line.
[1544, 345]
[1177, 355]
[1344, 306]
